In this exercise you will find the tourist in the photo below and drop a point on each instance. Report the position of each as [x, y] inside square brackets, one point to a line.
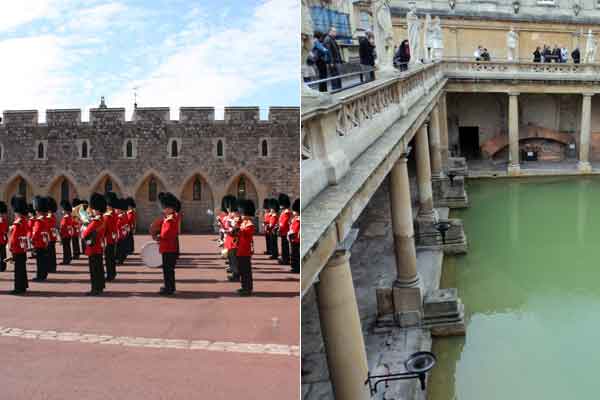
[366, 51]
[576, 55]
[537, 55]
[18, 244]
[321, 58]
[294, 237]
[284, 226]
[245, 238]
[167, 239]
[336, 57]
[94, 235]
[556, 54]
[110, 236]
[485, 55]
[564, 55]
[402, 56]
[40, 237]
[3, 234]
[477, 53]
[52, 233]
[547, 54]
[66, 232]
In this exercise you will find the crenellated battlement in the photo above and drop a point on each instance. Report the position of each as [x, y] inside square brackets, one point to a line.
[112, 116]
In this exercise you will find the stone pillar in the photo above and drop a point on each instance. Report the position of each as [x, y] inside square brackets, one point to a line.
[402, 226]
[426, 211]
[586, 127]
[513, 133]
[444, 143]
[342, 331]
[434, 144]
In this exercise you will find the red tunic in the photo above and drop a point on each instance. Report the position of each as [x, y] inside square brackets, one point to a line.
[51, 221]
[169, 230]
[3, 230]
[66, 227]
[231, 241]
[110, 227]
[273, 219]
[131, 220]
[76, 226]
[39, 234]
[122, 226]
[295, 229]
[18, 236]
[284, 222]
[96, 225]
[30, 222]
[246, 233]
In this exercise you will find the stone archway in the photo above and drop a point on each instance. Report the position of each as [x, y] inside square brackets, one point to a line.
[63, 188]
[146, 199]
[243, 186]
[18, 184]
[197, 197]
[107, 182]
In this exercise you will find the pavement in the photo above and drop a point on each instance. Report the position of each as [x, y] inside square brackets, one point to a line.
[204, 343]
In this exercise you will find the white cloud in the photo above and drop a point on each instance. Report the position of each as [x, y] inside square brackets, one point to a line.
[95, 18]
[16, 13]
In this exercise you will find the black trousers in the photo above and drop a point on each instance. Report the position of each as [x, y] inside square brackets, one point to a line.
[2, 258]
[120, 252]
[130, 243]
[169, 260]
[268, 243]
[52, 257]
[96, 273]
[21, 283]
[76, 249]
[109, 260]
[295, 257]
[285, 250]
[322, 68]
[333, 71]
[66, 245]
[233, 264]
[274, 246]
[245, 266]
[41, 263]
[82, 246]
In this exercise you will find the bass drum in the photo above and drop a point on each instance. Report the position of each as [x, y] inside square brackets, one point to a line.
[150, 255]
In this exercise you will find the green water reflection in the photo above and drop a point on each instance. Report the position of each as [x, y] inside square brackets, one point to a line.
[531, 286]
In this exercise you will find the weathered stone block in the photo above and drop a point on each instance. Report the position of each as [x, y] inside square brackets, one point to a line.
[151, 114]
[20, 117]
[284, 114]
[242, 114]
[107, 115]
[196, 114]
[68, 117]
[441, 302]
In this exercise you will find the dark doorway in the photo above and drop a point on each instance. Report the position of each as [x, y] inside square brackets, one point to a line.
[469, 142]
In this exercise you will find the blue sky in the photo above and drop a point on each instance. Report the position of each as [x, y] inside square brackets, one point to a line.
[68, 53]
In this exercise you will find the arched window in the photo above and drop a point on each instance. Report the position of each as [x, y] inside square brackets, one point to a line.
[40, 151]
[220, 148]
[152, 190]
[197, 190]
[64, 190]
[84, 150]
[129, 149]
[22, 187]
[241, 188]
[108, 186]
[264, 148]
[174, 149]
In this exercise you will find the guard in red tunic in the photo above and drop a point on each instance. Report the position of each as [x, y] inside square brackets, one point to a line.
[274, 228]
[18, 243]
[245, 248]
[76, 232]
[266, 225]
[30, 223]
[52, 232]
[167, 240]
[131, 221]
[285, 218]
[122, 228]
[66, 231]
[94, 239]
[110, 236]
[231, 243]
[3, 234]
[294, 237]
[40, 237]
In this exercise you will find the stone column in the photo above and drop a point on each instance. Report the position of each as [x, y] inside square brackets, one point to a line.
[434, 144]
[342, 331]
[444, 131]
[586, 127]
[513, 133]
[402, 226]
[426, 212]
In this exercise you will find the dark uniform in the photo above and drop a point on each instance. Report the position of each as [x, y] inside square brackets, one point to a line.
[66, 232]
[94, 238]
[18, 243]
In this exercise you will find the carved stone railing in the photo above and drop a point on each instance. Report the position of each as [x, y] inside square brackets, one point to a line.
[520, 70]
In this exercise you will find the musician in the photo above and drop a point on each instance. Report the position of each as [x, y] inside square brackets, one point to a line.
[52, 233]
[221, 224]
[122, 228]
[231, 241]
[179, 218]
[18, 243]
[66, 232]
[30, 223]
[110, 236]
[3, 234]
[131, 221]
[84, 205]
[40, 237]
[76, 231]
[284, 226]
[274, 228]
[93, 235]
[265, 225]
[167, 240]
[245, 248]
[294, 237]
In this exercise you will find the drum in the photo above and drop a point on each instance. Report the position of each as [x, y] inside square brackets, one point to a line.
[150, 255]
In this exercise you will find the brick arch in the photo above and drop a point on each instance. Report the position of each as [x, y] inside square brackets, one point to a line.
[11, 186]
[98, 184]
[54, 187]
[497, 143]
[147, 211]
[195, 216]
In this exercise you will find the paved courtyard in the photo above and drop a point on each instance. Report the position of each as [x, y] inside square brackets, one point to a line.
[131, 343]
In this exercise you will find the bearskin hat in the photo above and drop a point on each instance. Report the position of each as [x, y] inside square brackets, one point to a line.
[284, 200]
[52, 206]
[75, 202]
[229, 202]
[40, 204]
[178, 206]
[265, 204]
[131, 202]
[296, 206]
[19, 204]
[3, 208]
[30, 209]
[168, 200]
[98, 202]
[111, 199]
[66, 205]
[274, 204]
[246, 208]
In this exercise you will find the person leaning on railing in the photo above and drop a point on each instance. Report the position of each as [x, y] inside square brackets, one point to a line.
[402, 56]
[336, 57]
[576, 55]
[537, 55]
[320, 57]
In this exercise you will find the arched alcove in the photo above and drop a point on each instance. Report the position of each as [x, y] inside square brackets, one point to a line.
[146, 198]
[62, 188]
[197, 197]
[243, 186]
[107, 182]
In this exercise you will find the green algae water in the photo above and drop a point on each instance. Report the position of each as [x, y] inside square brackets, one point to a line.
[531, 288]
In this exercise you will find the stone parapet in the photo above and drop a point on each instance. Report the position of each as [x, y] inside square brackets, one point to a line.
[107, 115]
[20, 117]
[242, 114]
[196, 114]
[63, 116]
[151, 114]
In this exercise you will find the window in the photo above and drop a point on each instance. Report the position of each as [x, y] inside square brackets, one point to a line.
[264, 148]
[197, 190]
[174, 149]
[241, 191]
[220, 148]
[129, 149]
[22, 189]
[64, 191]
[40, 151]
[152, 190]
[108, 186]
[84, 150]
[324, 18]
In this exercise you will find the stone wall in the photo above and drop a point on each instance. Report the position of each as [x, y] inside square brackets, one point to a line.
[151, 134]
